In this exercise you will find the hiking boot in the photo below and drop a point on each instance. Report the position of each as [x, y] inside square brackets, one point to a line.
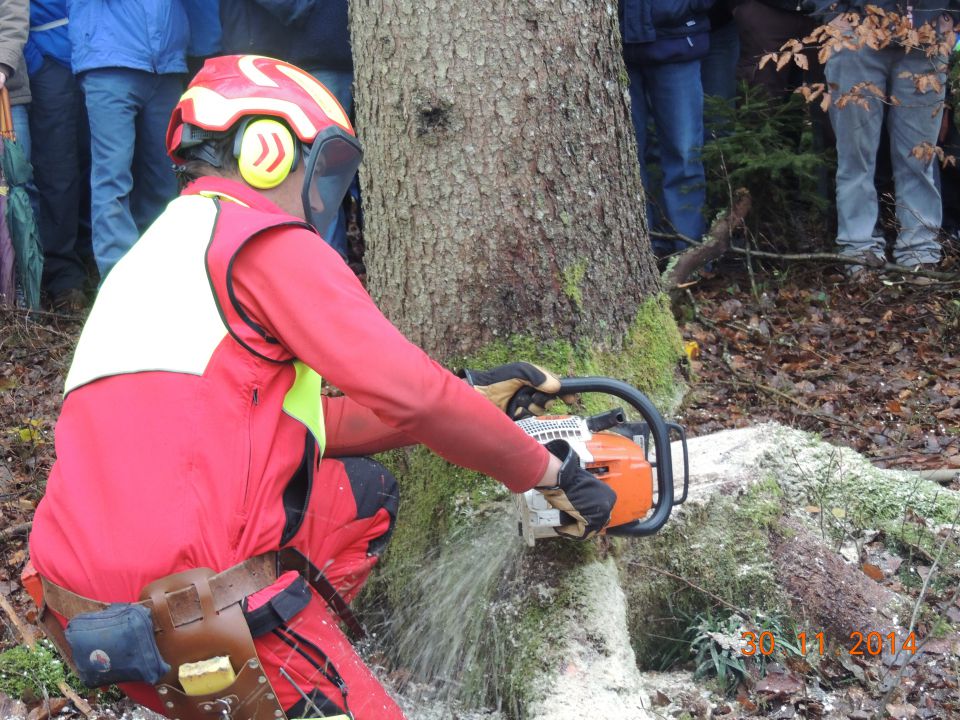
[872, 260]
[869, 263]
[72, 301]
[920, 279]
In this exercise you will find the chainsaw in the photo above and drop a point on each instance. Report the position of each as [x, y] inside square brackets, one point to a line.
[617, 452]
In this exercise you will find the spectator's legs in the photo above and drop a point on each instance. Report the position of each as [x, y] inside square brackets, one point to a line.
[858, 135]
[718, 75]
[639, 113]
[950, 179]
[913, 121]
[676, 103]
[20, 115]
[59, 118]
[21, 126]
[154, 184]
[113, 102]
[340, 83]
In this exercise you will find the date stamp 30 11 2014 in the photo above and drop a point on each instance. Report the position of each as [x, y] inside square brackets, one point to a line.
[859, 643]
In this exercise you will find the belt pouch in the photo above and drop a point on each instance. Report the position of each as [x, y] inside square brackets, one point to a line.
[216, 633]
[115, 645]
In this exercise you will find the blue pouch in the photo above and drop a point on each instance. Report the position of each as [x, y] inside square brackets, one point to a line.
[115, 645]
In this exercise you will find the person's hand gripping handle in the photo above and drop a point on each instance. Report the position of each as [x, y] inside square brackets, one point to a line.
[520, 389]
[584, 502]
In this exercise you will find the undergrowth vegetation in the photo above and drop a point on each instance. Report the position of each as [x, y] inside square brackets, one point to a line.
[777, 150]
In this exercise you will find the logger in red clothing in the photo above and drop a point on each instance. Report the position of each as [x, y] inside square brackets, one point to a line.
[210, 514]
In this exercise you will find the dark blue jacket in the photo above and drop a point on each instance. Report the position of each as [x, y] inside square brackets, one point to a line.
[204, 17]
[665, 30]
[313, 34]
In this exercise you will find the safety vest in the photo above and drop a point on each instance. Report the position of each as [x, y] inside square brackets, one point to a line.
[169, 306]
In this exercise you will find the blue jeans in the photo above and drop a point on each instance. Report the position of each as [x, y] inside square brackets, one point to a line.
[914, 120]
[671, 94]
[132, 178]
[340, 83]
[21, 126]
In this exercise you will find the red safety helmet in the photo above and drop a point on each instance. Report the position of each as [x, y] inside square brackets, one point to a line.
[233, 91]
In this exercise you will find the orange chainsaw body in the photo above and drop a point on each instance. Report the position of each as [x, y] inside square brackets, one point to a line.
[614, 449]
[621, 464]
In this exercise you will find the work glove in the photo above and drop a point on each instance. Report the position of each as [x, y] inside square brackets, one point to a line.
[584, 502]
[520, 389]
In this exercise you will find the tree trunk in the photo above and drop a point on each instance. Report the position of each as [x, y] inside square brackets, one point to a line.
[500, 182]
[503, 220]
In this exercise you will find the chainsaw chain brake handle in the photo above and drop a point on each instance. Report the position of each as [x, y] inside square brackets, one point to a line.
[654, 425]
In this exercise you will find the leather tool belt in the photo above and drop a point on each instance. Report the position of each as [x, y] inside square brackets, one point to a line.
[197, 615]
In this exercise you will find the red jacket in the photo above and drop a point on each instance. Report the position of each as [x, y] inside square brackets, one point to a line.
[173, 449]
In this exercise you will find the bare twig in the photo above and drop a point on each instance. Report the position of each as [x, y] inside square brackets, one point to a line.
[26, 632]
[937, 475]
[667, 573]
[795, 402]
[891, 268]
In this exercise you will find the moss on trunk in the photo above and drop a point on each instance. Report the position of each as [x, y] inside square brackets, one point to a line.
[647, 358]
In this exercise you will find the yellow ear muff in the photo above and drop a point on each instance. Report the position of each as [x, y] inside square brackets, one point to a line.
[266, 153]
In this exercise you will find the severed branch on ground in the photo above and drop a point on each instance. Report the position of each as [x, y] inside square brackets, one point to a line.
[714, 244]
[718, 242]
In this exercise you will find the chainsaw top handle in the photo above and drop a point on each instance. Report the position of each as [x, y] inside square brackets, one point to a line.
[658, 428]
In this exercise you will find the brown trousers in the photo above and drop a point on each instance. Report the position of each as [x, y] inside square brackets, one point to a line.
[764, 29]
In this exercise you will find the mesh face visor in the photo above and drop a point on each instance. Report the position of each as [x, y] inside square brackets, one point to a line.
[331, 163]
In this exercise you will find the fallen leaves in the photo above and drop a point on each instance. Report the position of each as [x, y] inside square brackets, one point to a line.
[874, 368]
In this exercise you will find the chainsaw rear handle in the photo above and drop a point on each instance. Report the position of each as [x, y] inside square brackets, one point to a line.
[661, 436]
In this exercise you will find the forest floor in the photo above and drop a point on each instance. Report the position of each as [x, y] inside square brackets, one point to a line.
[874, 366]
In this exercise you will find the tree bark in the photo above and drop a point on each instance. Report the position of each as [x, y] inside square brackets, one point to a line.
[503, 220]
[501, 188]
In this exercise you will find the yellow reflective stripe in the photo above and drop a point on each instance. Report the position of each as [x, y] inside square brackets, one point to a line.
[213, 195]
[303, 402]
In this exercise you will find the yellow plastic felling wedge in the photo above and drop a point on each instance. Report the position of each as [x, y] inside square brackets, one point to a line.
[206, 676]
